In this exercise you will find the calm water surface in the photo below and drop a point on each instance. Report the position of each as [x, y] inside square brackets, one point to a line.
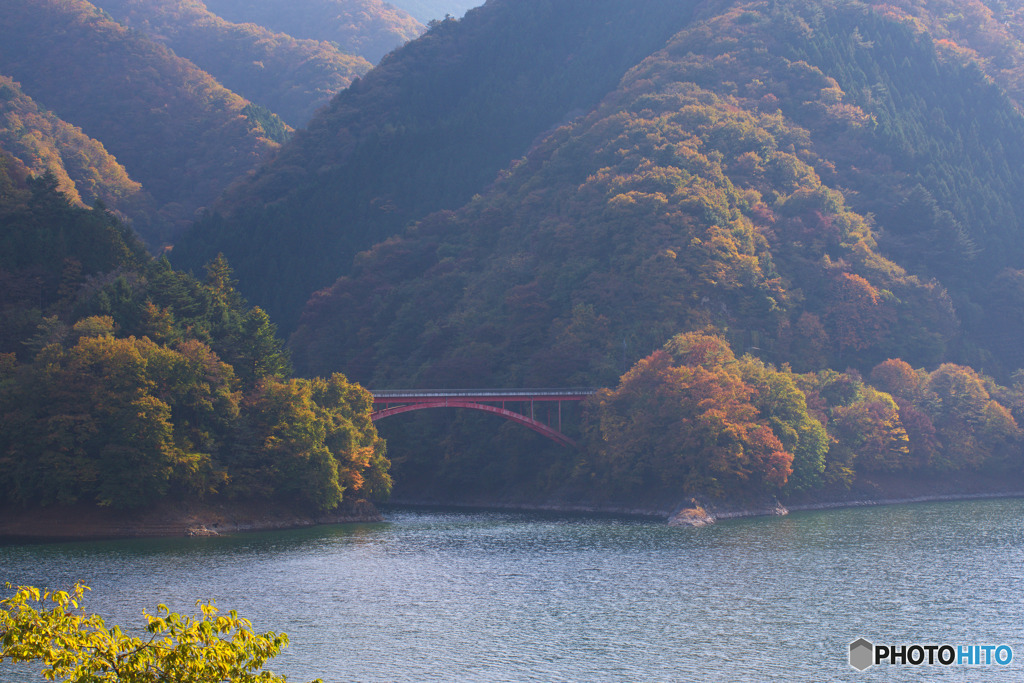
[455, 596]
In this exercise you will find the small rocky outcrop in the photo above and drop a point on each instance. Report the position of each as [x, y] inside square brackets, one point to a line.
[696, 513]
[692, 516]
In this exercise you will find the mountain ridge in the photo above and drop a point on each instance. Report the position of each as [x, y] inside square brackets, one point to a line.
[291, 77]
[84, 170]
[785, 237]
[416, 135]
[152, 110]
[370, 28]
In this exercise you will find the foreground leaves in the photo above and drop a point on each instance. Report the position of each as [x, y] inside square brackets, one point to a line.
[48, 628]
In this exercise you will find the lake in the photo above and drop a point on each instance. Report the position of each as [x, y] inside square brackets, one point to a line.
[434, 595]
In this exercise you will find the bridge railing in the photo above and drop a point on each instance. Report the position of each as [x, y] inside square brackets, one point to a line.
[390, 402]
[579, 393]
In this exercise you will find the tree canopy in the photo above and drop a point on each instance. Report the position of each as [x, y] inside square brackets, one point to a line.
[50, 629]
[123, 381]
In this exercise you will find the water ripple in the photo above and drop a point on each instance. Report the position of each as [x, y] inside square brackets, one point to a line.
[440, 596]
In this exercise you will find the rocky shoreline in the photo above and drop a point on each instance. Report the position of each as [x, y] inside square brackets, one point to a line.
[168, 520]
[869, 491]
[698, 511]
[698, 516]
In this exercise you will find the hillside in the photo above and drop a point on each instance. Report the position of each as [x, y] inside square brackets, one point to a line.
[430, 10]
[935, 193]
[670, 207]
[173, 127]
[85, 172]
[784, 176]
[827, 188]
[124, 383]
[428, 128]
[368, 28]
[987, 33]
[290, 77]
[784, 237]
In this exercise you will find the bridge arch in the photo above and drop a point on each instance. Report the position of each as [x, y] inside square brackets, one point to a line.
[397, 402]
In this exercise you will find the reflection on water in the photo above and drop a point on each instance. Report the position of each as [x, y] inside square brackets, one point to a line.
[496, 596]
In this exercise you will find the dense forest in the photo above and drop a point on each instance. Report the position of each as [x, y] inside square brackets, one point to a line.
[427, 129]
[828, 191]
[290, 77]
[783, 239]
[123, 381]
[369, 28]
[741, 214]
[85, 172]
[185, 101]
[692, 416]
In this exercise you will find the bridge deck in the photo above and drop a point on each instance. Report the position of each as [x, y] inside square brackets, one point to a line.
[483, 395]
[397, 401]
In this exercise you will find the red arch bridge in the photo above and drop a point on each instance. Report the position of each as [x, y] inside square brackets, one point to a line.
[394, 402]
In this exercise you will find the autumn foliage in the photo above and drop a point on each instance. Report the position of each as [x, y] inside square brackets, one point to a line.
[829, 192]
[51, 632]
[124, 382]
[693, 418]
[687, 426]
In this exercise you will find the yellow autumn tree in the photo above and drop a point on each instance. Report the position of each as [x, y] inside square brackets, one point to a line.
[49, 629]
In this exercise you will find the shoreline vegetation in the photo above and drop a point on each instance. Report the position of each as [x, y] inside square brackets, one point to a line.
[83, 522]
[784, 342]
[135, 398]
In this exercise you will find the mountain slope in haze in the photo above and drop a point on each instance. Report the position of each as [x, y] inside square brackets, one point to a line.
[291, 77]
[988, 33]
[717, 164]
[173, 127]
[85, 172]
[431, 10]
[825, 187]
[428, 128]
[368, 28]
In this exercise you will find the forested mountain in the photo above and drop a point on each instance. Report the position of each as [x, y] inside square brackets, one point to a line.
[123, 382]
[173, 127]
[290, 77]
[831, 187]
[387, 152]
[987, 33]
[430, 10]
[783, 236]
[368, 28]
[778, 113]
[427, 129]
[85, 172]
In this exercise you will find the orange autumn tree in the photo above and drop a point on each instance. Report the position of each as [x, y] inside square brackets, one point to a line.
[973, 428]
[856, 312]
[683, 419]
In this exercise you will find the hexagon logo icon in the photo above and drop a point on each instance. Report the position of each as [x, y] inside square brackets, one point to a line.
[862, 654]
